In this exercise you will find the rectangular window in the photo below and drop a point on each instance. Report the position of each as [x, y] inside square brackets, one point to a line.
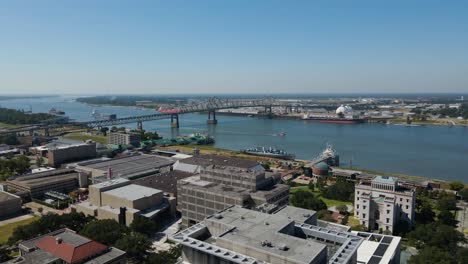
[357, 213]
[364, 207]
[407, 207]
[401, 199]
[388, 211]
[364, 215]
[388, 220]
[357, 206]
[358, 198]
[407, 200]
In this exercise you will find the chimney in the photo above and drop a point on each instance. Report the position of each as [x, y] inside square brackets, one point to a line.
[122, 218]
[58, 240]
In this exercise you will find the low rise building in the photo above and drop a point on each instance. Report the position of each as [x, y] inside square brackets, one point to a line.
[65, 246]
[34, 185]
[123, 201]
[10, 204]
[60, 152]
[124, 138]
[166, 181]
[130, 167]
[383, 202]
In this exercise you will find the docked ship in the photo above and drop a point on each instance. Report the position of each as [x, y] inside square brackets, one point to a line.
[269, 152]
[329, 156]
[54, 111]
[344, 115]
[98, 116]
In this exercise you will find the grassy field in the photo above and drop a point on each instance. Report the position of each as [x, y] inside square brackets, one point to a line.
[328, 202]
[4, 125]
[82, 137]
[7, 230]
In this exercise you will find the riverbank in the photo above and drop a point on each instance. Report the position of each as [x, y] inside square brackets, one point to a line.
[232, 153]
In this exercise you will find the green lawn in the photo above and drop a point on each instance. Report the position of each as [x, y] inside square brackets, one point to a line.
[328, 202]
[7, 230]
[4, 125]
[82, 137]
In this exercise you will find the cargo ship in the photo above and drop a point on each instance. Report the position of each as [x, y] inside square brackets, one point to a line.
[344, 115]
[269, 152]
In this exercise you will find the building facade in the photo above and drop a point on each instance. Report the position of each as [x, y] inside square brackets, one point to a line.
[383, 202]
[58, 156]
[124, 138]
[223, 182]
[10, 204]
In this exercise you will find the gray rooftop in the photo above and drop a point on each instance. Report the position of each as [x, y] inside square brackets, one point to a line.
[133, 192]
[217, 160]
[112, 254]
[4, 196]
[129, 165]
[298, 215]
[274, 235]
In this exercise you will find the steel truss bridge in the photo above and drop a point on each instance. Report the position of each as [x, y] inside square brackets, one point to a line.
[210, 106]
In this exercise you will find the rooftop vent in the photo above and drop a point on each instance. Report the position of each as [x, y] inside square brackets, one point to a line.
[266, 243]
[218, 216]
[283, 247]
[58, 240]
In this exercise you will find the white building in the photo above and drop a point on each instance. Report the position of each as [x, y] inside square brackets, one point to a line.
[382, 203]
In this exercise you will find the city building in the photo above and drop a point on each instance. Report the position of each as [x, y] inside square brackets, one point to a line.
[10, 204]
[239, 235]
[224, 181]
[36, 184]
[124, 138]
[289, 236]
[166, 181]
[380, 204]
[130, 167]
[60, 152]
[65, 246]
[123, 201]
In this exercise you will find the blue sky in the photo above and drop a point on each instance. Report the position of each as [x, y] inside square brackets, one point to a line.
[70, 47]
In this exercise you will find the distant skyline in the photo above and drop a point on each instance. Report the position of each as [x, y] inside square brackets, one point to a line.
[260, 47]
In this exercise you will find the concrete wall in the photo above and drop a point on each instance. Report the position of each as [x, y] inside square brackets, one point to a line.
[57, 157]
[11, 206]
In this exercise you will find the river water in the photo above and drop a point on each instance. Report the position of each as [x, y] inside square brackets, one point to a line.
[429, 151]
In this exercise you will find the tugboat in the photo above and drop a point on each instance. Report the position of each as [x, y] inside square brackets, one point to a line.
[269, 152]
[54, 111]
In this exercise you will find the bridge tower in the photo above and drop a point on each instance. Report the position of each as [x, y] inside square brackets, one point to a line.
[140, 126]
[268, 111]
[212, 117]
[176, 118]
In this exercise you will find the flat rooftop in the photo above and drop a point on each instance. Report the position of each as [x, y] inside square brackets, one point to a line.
[218, 160]
[166, 181]
[4, 196]
[129, 165]
[298, 215]
[133, 192]
[252, 227]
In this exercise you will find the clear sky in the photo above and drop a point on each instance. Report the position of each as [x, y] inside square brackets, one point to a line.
[251, 46]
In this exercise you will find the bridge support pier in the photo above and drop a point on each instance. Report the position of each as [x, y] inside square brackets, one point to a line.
[140, 126]
[268, 111]
[176, 123]
[212, 118]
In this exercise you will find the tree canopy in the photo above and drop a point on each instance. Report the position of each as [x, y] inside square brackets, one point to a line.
[307, 200]
[105, 231]
[342, 190]
[136, 245]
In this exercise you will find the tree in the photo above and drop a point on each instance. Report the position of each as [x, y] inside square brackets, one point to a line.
[436, 235]
[170, 256]
[39, 161]
[40, 210]
[342, 190]
[144, 226]
[464, 194]
[325, 215]
[307, 200]
[311, 186]
[434, 254]
[4, 253]
[136, 245]
[424, 212]
[447, 203]
[104, 231]
[447, 218]
[104, 130]
[342, 209]
[456, 185]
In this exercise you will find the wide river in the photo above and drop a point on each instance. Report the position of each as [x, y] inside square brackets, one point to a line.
[430, 151]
